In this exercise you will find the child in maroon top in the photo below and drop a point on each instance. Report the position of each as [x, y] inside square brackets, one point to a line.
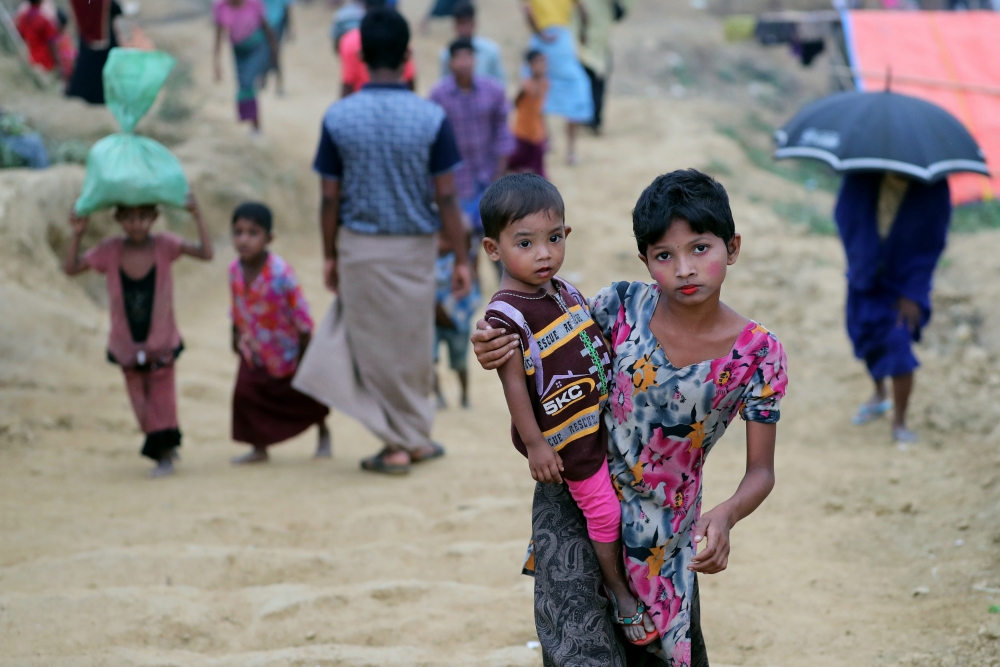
[144, 339]
[556, 390]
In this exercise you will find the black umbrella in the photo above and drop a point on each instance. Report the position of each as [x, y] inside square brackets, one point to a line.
[881, 132]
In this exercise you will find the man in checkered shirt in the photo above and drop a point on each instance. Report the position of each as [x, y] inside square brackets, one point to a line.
[386, 159]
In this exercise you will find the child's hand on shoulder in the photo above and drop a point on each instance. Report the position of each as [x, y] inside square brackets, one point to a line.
[545, 464]
[712, 530]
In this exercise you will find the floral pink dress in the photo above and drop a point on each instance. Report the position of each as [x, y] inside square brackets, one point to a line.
[269, 315]
[662, 422]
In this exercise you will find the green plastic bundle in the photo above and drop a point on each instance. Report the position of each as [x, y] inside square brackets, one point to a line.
[125, 169]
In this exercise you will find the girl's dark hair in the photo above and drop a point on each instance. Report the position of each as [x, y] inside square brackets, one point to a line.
[257, 213]
[531, 55]
[515, 197]
[685, 194]
[385, 37]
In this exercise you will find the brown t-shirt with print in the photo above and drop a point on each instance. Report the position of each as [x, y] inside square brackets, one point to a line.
[568, 368]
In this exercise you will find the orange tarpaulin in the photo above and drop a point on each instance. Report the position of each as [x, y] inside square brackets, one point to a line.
[949, 58]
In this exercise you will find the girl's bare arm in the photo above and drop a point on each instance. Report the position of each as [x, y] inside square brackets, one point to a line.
[545, 464]
[203, 249]
[74, 262]
[217, 53]
[714, 525]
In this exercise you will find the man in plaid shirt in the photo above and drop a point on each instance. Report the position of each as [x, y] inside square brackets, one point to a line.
[477, 109]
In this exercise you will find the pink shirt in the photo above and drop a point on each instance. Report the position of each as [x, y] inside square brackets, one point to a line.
[163, 337]
[269, 314]
[242, 21]
[353, 70]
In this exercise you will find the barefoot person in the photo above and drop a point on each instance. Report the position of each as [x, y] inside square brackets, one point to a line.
[894, 231]
[144, 339]
[569, 93]
[530, 135]
[271, 330]
[385, 158]
[683, 366]
[555, 389]
[255, 51]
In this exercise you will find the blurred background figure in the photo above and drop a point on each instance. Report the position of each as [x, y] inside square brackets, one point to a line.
[569, 88]
[95, 26]
[353, 70]
[595, 49]
[255, 51]
[489, 60]
[345, 19]
[894, 232]
[530, 134]
[279, 17]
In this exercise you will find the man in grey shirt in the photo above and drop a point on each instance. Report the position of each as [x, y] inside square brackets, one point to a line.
[489, 61]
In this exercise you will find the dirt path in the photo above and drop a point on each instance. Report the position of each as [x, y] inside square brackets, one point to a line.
[303, 563]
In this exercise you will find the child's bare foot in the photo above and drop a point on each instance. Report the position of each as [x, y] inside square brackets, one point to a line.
[324, 444]
[441, 403]
[164, 467]
[636, 624]
[465, 402]
[253, 456]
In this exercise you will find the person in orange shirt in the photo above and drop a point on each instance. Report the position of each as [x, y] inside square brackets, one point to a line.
[353, 71]
[529, 124]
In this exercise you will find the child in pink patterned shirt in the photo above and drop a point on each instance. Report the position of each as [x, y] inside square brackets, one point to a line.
[271, 329]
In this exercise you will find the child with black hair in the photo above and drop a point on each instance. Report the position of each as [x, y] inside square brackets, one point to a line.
[530, 134]
[144, 339]
[684, 364]
[556, 390]
[271, 329]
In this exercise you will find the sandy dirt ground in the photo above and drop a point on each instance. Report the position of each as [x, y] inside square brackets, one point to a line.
[865, 554]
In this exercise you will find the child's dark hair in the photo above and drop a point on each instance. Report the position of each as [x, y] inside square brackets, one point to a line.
[531, 55]
[685, 194]
[255, 212]
[464, 11]
[517, 196]
[385, 37]
[461, 44]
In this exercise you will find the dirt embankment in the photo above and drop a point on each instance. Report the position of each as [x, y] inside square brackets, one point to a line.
[866, 554]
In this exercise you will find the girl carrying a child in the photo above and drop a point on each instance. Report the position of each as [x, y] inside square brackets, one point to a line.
[144, 339]
[683, 366]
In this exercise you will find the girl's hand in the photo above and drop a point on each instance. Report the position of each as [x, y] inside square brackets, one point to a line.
[545, 464]
[78, 223]
[191, 204]
[714, 527]
[492, 347]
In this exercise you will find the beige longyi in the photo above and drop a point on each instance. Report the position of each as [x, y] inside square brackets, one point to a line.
[371, 356]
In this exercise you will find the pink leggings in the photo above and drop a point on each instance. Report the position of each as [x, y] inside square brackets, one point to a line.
[596, 498]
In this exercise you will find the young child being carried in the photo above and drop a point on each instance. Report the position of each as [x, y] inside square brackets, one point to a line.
[685, 365]
[144, 339]
[271, 329]
[556, 389]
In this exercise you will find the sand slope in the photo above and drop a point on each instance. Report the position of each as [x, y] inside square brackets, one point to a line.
[303, 563]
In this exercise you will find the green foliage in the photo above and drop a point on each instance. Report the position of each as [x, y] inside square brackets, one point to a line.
[799, 213]
[976, 217]
[755, 138]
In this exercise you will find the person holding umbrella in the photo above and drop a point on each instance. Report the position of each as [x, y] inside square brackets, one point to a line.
[894, 231]
[892, 213]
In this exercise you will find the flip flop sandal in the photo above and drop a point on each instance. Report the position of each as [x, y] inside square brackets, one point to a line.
[635, 619]
[437, 451]
[869, 412]
[378, 464]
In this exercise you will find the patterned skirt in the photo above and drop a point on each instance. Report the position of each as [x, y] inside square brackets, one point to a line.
[573, 617]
